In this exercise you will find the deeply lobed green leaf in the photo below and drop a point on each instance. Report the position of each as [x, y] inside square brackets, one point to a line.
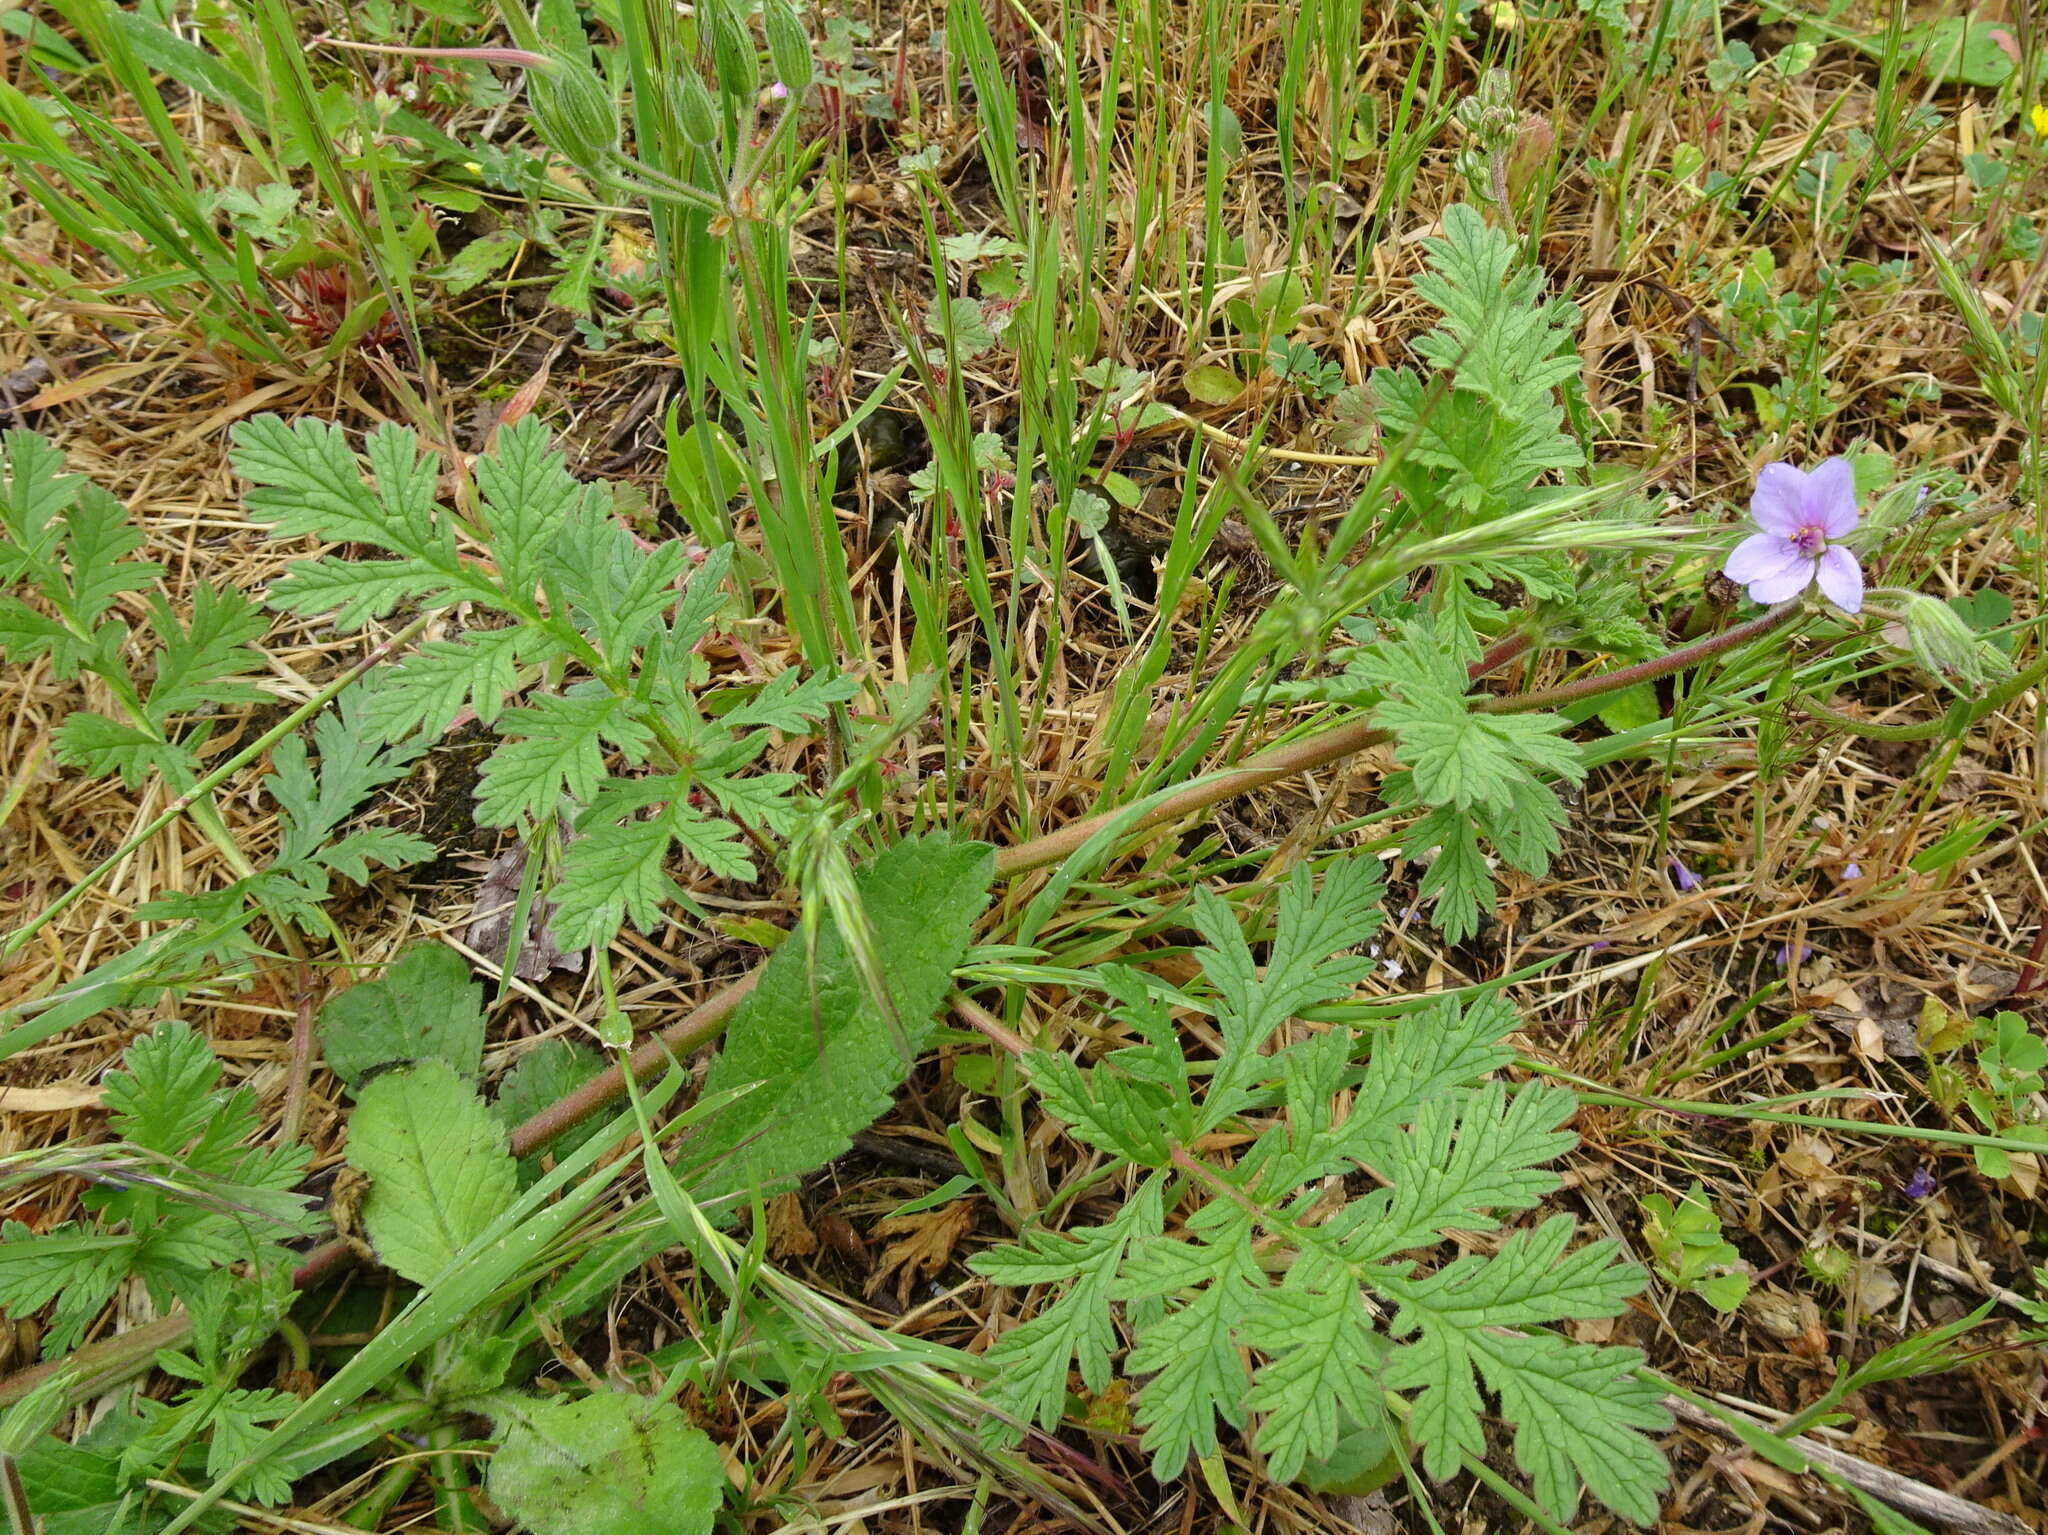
[1267, 1302]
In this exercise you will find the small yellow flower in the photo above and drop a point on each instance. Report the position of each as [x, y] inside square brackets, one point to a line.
[2041, 121]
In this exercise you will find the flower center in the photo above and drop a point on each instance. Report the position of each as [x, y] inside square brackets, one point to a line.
[1810, 541]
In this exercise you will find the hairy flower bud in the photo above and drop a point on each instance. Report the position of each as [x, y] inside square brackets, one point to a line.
[733, 58]
[1942, 641]
[1489, 114]
[695, 109]
[575, 112]
[789, 46]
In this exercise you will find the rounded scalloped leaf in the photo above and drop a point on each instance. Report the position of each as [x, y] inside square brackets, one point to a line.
[610, 1464]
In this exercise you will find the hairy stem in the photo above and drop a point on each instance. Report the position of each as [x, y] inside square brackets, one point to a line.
[1966, 710]
[1648, 671]
[122, 1357]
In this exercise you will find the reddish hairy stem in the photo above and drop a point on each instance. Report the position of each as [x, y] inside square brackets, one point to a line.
[1648, 671]
[131, 1353]
[1502, 652]
[698, 1028]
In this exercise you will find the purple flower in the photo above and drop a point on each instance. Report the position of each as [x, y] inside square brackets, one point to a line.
[1920, 1185]
[1683, 877]
[1851, 870]
[1799, 512]
[1785, 954]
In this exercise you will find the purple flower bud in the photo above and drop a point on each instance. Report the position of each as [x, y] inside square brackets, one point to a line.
[1683, 877]
[1785, 954]
[1921, 1184]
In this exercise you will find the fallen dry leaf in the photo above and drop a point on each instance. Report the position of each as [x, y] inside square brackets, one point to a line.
[490, 922]
[58, 1098]
[789, 1234]
[1790, 1316]
[926, 1244]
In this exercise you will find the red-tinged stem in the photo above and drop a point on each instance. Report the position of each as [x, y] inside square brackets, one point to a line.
[1502, 652]
[1647, 671]
[113, 1359]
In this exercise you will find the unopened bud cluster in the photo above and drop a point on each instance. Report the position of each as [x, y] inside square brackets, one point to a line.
[579, 116]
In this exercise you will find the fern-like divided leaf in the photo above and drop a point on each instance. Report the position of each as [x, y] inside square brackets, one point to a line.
[65, 544]
[69, 542]
[183, 1194]
[1484, 447]
[1255, 1298]
[314, 806]
[569, 594]
[1505, 351]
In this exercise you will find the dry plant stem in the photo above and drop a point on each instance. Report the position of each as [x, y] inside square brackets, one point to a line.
[2018, 1439]
[1902, 1492]
[304, 1044]
[709, 1017]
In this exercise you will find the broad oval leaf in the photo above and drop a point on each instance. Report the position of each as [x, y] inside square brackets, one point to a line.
[611, 1464]
[813, 1038]
[438, 1167]
[426, 1007]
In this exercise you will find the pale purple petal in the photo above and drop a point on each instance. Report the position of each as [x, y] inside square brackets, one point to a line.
[1779, 504]
[1782, 586]
[1831, 497]
[1761, 556]
[1841, 579]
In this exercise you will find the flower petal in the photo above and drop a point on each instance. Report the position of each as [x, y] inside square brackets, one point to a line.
[1841, 579]
[1779, 504]
[1762, 555]
[1831, 497]
[1782, 586]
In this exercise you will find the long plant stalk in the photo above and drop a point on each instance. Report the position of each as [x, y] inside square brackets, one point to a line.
[102, 1364]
